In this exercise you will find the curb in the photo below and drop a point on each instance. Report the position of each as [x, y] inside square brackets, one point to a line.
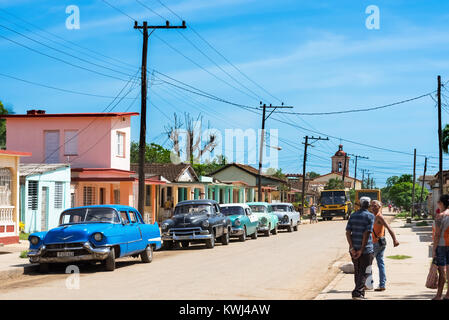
[15, 272]
[330, 286]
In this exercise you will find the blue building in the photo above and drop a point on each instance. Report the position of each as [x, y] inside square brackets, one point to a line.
[44, 194]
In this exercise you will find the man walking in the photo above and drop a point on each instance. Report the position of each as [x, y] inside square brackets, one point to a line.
[358, 235]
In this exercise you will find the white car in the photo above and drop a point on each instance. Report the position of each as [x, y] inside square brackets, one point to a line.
[288, 217]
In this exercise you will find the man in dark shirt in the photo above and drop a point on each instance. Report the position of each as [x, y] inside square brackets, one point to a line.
[358, 234]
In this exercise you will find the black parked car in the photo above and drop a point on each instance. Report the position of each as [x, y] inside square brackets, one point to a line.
[196, 221]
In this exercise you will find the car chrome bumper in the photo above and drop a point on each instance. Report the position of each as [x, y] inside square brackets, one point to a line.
[263, 228]
[36, 256]
[174, 237]
[283, 224]
[236, 232]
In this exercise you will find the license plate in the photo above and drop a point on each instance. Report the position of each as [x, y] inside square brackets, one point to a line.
[65, 254]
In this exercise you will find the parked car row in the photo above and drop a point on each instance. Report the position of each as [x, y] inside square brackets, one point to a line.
[104, 233]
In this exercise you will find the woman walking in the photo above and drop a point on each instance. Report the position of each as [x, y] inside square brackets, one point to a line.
[441, 245]
[379, 241]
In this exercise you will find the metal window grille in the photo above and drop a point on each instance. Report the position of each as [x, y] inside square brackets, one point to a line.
[5, 187]
[33, 188]
[89, 196]
[58, 194]
[117, 196]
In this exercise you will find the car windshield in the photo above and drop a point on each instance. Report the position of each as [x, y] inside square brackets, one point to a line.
[279, 208]
[86, 215]
[232, 210]
[258, 208]
[371, 195]
[333, 197]
[193, 209]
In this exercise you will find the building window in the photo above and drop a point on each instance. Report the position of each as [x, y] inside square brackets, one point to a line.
[71, 142]
[5, 187]
[52, 146]
[59, 187]
[120, 144]
[33, 194]
[88, 196]
[117, 196]
[102, 195]
[148, 200]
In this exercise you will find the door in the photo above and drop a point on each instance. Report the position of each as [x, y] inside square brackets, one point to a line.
[134, 234]
[51, 147]
[44, 209]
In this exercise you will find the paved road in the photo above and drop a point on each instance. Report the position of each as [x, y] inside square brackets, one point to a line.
[295, 265]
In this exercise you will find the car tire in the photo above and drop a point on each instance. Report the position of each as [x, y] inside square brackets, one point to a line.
[210, 243]
[167, 245]
[290, 227]
[185, 244]
[147, 254]
[254, 235]
[267, 233]
[242, 238]
[275, 230]
[109, 263]
[225, 238]
[44, 268]
[295, 228]
[330, 218]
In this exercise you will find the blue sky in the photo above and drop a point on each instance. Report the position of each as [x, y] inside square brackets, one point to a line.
[315, 55]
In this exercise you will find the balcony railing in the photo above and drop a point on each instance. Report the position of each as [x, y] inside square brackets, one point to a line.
[6, 214]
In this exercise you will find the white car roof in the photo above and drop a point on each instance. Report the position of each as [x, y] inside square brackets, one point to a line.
[280, 203]
[243, 205]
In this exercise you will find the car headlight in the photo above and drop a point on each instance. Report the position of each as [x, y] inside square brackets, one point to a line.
[34, 240]
[205, 224]
[286, 218]
[164, 226]
[237, 222]
[98, 236]
[263, 220]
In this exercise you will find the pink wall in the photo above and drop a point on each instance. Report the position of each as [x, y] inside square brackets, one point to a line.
[96, 145]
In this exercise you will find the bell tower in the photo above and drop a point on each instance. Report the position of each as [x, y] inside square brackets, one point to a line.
[338, 161]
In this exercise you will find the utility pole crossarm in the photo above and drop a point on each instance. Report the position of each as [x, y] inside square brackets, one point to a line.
[355, 169]
[166, 26]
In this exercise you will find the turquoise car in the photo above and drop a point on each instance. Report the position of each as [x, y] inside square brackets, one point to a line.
[244, 221]
[268, 222]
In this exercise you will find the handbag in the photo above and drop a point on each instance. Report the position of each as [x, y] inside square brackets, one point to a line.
[432, 277]
[382, 240]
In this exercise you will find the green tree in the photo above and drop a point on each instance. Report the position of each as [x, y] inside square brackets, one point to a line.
[334, 183]
[312, 175]
[401, 194]
[206, 168]
[3, 111]
[154, 153]
[275, 173]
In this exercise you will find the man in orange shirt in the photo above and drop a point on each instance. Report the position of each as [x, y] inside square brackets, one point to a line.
[379, 241]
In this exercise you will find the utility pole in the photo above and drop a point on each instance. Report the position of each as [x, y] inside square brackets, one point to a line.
[414, 180]
[368, 181]
[306, 144]
[143, 109]
[344, 170]
[440, 138]
[262, 142]
[422, 187]
[355, 169]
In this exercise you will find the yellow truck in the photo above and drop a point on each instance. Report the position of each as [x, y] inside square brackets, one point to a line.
[373, 194]
[335, 203]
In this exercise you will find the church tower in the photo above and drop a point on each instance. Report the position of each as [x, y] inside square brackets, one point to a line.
[338, 161]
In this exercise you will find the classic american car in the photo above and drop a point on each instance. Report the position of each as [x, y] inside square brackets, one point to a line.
[196, 221]
[95, 233]
[244, 222]
[268, 222]
[288, 217]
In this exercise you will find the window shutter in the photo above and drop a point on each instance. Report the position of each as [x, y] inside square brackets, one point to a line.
[71, 142]
[89, 196]
[58, 195]
[32, 194]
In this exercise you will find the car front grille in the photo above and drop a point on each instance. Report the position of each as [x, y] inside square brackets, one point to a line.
[53, 254]
[185, 231]
[64, 246]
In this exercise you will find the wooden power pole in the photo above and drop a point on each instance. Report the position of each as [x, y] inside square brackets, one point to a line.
[423, 181]
[306, 144]
[414, 180]
[143, 109]
[440, 138]
[262, 142]
[355, 168]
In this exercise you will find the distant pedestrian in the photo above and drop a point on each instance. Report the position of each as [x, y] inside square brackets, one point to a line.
[313, 214]
[358, 235]
[379, 241]
[441, 245]
[389, 207]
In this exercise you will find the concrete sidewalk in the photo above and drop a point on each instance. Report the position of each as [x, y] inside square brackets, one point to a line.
[11, 265]
[405, 278]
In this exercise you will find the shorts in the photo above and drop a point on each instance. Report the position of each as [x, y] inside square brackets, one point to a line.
[442, 256]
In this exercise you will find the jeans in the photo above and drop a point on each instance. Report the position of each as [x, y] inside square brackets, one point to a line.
[361, 273]
[379, 255]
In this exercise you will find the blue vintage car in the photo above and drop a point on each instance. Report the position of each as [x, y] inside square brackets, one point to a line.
[244, 221]
[95, 233]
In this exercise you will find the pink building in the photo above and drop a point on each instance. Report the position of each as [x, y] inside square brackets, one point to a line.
[96, 145]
